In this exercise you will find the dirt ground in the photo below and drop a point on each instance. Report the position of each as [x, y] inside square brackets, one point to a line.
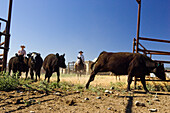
[65, 101]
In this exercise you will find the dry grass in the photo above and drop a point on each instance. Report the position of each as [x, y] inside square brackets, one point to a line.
[103, 81]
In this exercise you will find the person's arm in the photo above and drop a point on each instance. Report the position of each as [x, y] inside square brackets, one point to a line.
[25, 53]
[19, 52]
[82, 57]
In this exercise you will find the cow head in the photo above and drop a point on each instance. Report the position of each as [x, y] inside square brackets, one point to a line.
[20, 57]
[159, 71]
[61, 60]
[33, 57]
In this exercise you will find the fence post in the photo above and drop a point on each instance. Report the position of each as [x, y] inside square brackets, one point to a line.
[68, 68]
[7, 37]
[138, 24]
[134, 45]
[0, 31]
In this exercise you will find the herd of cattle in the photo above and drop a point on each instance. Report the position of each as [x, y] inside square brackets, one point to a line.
[34, 62]
[122, 63]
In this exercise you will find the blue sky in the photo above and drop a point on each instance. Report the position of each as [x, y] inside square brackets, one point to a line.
[93, 26]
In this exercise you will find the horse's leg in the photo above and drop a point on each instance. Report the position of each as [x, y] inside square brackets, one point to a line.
[80, 73]
[77, 73]
[49, 75]
[9, 70]
[75, 68]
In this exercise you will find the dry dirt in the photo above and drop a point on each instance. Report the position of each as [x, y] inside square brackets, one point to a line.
[62, 101]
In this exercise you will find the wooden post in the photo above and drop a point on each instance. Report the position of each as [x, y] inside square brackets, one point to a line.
[0, 31]
[134, 42]
[68, 68]
[138, 24]
[7, 37]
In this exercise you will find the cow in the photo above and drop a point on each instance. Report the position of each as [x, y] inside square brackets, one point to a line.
[18, 63]
[35, 63]
[52, 63]
[124, 63]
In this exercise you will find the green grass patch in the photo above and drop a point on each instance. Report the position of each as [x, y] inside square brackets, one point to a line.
[8, 82]
[118, 85]
[158, 87]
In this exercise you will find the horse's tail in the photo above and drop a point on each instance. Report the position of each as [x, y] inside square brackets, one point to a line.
[92, 65]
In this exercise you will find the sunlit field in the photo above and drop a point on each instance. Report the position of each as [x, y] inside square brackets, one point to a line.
[100, 80]
[105, 81]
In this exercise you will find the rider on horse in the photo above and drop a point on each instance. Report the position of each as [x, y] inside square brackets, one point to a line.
[80, 59]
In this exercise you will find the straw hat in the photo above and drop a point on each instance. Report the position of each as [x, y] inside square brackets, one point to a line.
[22, 46]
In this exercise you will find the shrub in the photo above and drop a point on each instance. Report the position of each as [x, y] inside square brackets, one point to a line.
[8, 82]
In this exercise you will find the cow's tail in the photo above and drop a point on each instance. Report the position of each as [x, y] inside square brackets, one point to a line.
[92, 65]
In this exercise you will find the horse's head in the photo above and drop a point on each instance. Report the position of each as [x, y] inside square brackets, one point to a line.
[20, 57]
[81, 61]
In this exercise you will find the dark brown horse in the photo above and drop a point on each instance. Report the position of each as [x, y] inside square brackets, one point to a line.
[79, 67]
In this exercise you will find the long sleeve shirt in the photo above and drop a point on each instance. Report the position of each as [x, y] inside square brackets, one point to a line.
[22, 52]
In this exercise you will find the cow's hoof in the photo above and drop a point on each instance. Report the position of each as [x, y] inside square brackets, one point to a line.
[87, 87]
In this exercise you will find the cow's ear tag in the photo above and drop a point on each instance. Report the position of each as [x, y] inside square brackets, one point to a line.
[159, 64]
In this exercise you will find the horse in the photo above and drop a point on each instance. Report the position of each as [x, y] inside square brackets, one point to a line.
[79, 67]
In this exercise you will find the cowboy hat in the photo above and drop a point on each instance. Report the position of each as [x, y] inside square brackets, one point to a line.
[22, 46]
[81, 52]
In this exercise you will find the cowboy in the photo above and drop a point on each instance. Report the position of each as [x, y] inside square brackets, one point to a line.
[22, 51]
[80, 55]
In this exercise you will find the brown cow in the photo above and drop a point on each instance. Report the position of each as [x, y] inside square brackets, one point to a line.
[131, 64]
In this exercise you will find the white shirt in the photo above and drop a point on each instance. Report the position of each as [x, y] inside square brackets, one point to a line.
[22, 52]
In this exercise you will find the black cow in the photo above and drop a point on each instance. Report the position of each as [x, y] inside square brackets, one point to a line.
[52, 63]
[18, 63]
[131, 64]
[35, 63]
